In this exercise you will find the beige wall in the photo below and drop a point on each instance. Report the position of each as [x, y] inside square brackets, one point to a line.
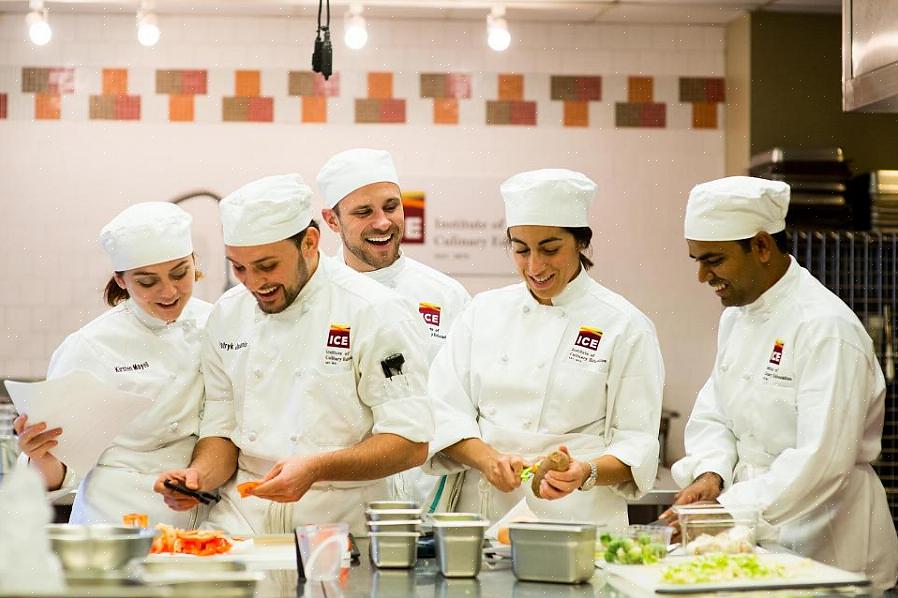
[738, 106]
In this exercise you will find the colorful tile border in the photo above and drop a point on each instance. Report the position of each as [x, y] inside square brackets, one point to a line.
[114, 103]
[704, 93]
[640, 114]
[640, 109]
[181, 86]
[182, 82]
[53, 80]
[48, 84]
[446, 89]
[313, 89]
[702, 89]
[511, 108]
[380, 106]
[579, 88]
[639, 106]
[247, 104]
[576, 92]
[510, 112]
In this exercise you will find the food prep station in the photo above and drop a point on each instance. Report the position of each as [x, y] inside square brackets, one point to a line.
[543, 559]
[277, 579]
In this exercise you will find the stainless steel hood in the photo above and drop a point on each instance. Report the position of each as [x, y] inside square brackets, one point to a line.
[870, 55]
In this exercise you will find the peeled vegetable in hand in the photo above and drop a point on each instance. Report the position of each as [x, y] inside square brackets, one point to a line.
[556, 461]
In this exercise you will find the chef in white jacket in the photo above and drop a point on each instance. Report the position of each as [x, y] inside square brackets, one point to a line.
[363, 204]
[555, 360]
[315, 376]
[148, 344]
[792, 415]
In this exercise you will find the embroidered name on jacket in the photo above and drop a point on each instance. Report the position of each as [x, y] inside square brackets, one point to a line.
[430, 312]
[338, 345]
[586, 345]
[134, 367]
[232, 346]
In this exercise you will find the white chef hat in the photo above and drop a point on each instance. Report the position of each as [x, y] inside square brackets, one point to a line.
[147, 233]
[736, 207]
[548, 197]
[268, 210]
[353, 169]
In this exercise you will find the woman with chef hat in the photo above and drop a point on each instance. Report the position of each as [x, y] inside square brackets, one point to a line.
[148, 344]
[555, 361]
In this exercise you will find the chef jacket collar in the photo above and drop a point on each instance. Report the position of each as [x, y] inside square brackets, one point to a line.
[148, 320]
[772, 297]
[387, 276]
[571, 293]
[305, 297]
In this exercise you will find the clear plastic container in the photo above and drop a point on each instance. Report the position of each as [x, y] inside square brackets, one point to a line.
[635, 545]
[708, 529]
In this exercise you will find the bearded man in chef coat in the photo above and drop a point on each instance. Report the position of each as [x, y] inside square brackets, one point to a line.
[363, 204]
[315, 377]
[792, 415]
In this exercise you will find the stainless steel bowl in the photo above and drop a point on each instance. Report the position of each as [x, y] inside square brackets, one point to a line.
[98, 547]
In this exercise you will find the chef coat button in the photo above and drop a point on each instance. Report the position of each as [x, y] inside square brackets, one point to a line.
[251, 436]
[173, 426]
[563, 313]
[298, 373]
[724, 368]
[304, 310]
[172, 376]
[257, 372]
[746, 376]
[541, 365]
[504, 359]
[294, 437]
[527, 423]
[526, 309]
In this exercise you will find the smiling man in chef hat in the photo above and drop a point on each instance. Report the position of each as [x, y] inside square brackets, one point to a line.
[791, 417]
[315, 376]
[364, 206]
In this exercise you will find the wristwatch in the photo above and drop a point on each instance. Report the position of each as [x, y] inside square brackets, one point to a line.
[590, 482]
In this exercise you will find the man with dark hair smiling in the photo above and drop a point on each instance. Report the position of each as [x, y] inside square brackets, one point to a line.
[364, 206]
[792, 415]
[315, 377]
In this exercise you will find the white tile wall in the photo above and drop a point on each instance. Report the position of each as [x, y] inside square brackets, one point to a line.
[63, 180]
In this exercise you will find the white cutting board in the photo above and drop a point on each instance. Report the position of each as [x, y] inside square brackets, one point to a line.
[802, 573]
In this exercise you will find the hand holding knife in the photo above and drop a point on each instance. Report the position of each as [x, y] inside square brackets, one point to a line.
[207, 498]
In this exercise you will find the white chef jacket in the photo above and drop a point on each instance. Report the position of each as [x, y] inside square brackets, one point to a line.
[309, 380]
[439, 299]
[131, 350]
[525, 378]
[791, 418]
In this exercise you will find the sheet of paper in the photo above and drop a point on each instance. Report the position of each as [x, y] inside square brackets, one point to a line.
[89, 412]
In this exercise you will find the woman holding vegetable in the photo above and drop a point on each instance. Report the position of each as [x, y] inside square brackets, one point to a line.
[554, 362]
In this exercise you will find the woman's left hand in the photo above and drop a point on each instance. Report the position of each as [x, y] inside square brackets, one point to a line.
[558, 484]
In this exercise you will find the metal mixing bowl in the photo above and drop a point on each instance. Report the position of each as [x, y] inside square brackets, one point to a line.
[98, 547]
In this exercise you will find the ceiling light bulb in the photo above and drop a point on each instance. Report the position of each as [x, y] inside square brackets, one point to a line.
[38, 28]
[355, 34]
[148, 33]
[498, 36]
